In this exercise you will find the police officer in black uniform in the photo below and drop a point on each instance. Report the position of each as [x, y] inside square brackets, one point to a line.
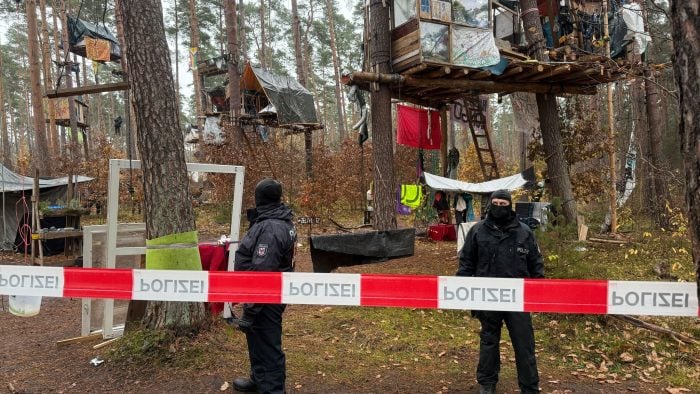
[501, 247]
[268, 246]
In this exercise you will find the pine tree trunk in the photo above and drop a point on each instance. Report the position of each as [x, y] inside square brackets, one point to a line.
[685, 16]
[263, 48]
[42, 150]
[336, 71]
[234, 77]
[130, 121]
[243, 39]
[177, 56]
[658, 170]
[301, 77]
[4, 136]
[548, 110]
[60, 135]
[167, 199]
[382, 145]
[194, 43]
[74, 144]
[48, 78]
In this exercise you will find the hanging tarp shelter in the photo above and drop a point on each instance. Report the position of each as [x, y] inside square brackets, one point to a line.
[293, 104]
[13, 187]
[512, 182]
[79, 30]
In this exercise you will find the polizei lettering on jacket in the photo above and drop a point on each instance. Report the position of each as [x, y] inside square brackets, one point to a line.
[495, 294]
[652, 298]
[160, 285]
[308, 288]
[39, 281]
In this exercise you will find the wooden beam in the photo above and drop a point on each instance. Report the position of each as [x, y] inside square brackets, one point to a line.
[510, 72]
[415, 69]
[481, 75]
[439, 72]
[468, 84]
[553, 73]
[90, 89]
[461, 73]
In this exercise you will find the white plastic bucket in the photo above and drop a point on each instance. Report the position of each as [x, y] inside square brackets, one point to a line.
[25, 306]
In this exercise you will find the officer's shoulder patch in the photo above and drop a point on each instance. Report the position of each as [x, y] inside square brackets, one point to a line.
[261, 250]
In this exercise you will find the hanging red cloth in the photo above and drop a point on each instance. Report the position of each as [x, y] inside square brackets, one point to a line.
[413, 128]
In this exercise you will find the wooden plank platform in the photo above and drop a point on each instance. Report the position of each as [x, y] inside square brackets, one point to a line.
[90, 89]
[435, 84]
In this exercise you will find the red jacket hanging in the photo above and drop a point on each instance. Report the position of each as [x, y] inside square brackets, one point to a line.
[413, 128]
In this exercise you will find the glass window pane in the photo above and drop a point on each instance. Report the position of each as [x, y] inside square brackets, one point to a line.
[434, 42]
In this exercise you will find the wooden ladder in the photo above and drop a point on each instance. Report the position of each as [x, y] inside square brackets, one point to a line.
[475, 110]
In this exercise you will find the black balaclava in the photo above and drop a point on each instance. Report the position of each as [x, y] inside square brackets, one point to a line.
[500, 215]
[268, 191]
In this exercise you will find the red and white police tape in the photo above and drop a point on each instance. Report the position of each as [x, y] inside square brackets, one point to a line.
[406, 291]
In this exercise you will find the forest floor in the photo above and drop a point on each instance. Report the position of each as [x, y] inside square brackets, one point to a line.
[375, 350]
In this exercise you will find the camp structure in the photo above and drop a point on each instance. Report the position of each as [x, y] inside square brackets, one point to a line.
[442, 50]
[276, 101]
[15, 187]
[92, 41]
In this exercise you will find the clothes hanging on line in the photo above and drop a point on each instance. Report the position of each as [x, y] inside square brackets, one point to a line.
[415, 130]
[411, 195]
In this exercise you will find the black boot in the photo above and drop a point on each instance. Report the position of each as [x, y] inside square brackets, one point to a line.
[245, 385]
[487, 389]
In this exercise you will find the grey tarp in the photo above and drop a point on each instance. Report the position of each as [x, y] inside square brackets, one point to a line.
[294, 104]
[329, 252]
[78, 29]
[12, 188]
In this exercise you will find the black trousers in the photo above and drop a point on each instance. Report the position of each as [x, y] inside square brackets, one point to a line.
[267, 360]
[519, 326]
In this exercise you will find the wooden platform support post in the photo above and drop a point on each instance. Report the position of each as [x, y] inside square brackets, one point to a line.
[611, 134]
[443, 141]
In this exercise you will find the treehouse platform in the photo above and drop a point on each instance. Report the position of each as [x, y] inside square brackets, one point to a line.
[442, 50]
[432, 84]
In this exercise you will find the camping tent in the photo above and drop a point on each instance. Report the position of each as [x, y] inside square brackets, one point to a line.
[12, 207]
[291, 101]
[512, 182]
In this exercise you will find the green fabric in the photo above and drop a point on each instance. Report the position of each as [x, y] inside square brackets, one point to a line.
[177, 258]
[411, 196]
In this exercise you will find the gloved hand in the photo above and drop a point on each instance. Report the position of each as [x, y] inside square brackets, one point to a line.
[244, 324]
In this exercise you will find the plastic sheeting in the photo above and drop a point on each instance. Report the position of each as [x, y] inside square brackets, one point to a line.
[474, 47]
[632, 15]
[78, 29]
[329, 252]
[293, 103]
[512, 182]
[212, 132]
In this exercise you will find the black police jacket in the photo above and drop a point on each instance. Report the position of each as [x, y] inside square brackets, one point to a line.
[507, 252]
[268, 245]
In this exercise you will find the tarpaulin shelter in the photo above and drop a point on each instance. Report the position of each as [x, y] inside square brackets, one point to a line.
[263, 90]
[12, 187]
[82, 33]
[512, 182]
